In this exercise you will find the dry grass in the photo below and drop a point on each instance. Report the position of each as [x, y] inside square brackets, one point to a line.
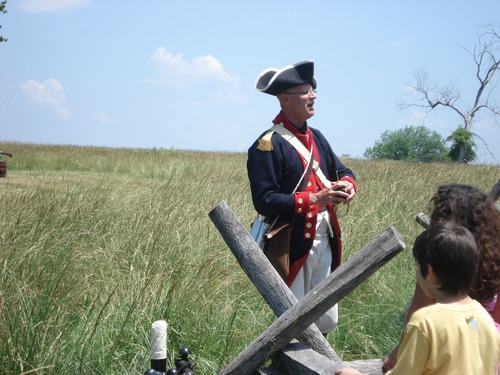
[96, 244]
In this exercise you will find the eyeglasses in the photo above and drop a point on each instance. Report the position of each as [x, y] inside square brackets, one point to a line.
[308, 92]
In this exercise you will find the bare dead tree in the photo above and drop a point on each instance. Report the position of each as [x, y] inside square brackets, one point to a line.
[486, 56]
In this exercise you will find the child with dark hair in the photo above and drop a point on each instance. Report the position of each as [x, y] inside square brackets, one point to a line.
[468, 206]
[456, 335]
[475, 210]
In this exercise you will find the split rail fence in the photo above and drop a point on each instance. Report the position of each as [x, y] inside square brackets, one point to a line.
[292, 342]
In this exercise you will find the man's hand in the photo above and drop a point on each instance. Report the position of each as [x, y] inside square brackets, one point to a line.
[339, 192]
[346, 187]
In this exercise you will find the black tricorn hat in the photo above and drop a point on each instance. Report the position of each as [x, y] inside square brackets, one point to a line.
[274, 81]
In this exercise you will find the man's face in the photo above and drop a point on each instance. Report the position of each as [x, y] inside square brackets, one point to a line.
[300, 103]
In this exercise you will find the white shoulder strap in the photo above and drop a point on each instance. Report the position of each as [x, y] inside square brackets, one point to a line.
[299, 146]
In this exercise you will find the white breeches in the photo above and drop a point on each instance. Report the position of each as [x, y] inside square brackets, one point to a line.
[316, 268]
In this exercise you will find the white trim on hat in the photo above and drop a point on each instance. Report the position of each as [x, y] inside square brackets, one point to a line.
[276, 74]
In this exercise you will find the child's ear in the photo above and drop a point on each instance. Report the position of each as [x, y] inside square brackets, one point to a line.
[431, 276]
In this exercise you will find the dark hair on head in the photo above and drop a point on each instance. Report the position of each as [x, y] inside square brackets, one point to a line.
[451, 250]
[475, 210]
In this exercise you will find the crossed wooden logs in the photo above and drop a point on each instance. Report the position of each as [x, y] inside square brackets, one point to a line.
[293, 338]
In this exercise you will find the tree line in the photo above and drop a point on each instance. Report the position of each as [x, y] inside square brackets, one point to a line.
[417, 143]
[420, 144]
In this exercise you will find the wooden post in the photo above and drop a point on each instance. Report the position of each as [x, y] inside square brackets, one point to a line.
[3, 168]
[265, 278]
[423, 220]
[495, 191]
[303, 313]
[3, 163]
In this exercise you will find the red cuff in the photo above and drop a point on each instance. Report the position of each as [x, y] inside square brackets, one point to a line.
[302, 203]
[352, 181]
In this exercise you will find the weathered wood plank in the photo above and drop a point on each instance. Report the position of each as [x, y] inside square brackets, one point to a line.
[423, 220]
[369, 366]
[263, 275]
[303, 313]
[299, 359]
[495, 191]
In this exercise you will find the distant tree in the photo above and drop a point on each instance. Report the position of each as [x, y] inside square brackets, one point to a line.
[2, 10]
[413, 143]
[486, 55]
[462, 138]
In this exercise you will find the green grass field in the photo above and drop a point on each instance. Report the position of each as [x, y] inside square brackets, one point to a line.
[97, 243]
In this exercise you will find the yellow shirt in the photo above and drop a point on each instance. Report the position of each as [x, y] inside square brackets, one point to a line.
[444, 339]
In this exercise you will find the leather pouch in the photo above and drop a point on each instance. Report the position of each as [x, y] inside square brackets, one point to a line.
[277, 248]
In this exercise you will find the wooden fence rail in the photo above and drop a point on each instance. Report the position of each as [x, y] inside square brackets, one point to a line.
[495, 191]
[263, 275]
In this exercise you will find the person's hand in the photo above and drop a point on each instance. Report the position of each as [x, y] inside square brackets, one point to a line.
[348, 371]
[391, 360]
[346, 187]
[338, 192]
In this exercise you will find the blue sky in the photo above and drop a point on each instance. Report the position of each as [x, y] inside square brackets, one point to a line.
[181, 74]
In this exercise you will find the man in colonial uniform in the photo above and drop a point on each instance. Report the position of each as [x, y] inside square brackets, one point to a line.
[296, 177]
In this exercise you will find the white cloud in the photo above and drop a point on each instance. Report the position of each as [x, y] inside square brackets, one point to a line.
[102, 117]
[50, 93]
[209, 66]
[175, 69]
[40, 6]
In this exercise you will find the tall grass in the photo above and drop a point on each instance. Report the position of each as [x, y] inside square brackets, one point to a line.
[97, 243]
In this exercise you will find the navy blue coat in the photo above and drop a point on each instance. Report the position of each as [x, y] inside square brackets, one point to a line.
[274, 174]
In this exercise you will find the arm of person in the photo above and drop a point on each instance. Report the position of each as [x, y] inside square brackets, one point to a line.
[349, 371]
[345, 180]
[413, 352]
[328, 196]
[344, 176]
[496, 310]
[273, 176]
[418, 301]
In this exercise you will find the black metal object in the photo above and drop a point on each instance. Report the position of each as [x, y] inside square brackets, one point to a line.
[183, 365]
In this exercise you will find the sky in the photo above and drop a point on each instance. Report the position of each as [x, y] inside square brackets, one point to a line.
[181, 75]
